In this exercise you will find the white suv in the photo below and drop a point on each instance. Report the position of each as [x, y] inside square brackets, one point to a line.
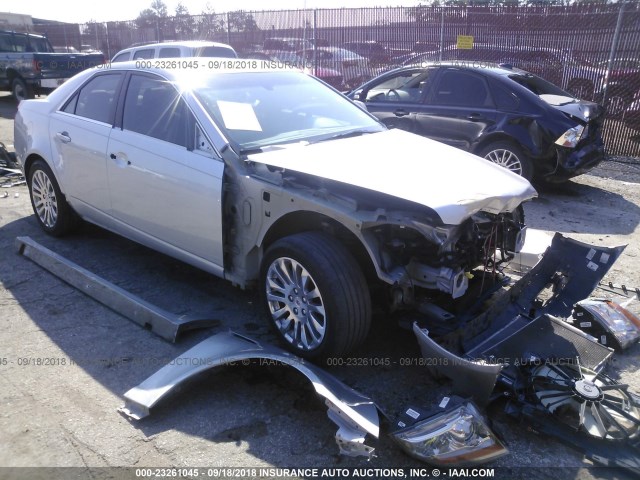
[193, 48]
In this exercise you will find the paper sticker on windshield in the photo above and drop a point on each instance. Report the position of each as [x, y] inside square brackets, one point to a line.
[239, 116]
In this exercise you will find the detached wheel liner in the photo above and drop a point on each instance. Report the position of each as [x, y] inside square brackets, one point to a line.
[315, 294]
[53, 213]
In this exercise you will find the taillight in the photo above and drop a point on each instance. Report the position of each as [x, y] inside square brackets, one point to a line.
[37, 65]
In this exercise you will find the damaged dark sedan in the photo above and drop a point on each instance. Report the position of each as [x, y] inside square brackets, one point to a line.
[506, 115]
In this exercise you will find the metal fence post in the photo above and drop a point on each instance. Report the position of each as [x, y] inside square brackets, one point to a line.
[315, 42]
[106, 26]
[612, 53]
[441, 34]
[228, 30]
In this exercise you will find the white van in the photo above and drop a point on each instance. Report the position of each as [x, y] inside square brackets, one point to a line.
[193, 48]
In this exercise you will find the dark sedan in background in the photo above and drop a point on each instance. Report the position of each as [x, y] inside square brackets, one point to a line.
[506, 115]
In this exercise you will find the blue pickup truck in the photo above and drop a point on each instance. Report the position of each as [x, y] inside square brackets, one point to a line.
[29, 66]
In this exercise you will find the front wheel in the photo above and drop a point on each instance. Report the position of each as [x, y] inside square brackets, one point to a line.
[316, 295]
[510, 157]
[54, 214]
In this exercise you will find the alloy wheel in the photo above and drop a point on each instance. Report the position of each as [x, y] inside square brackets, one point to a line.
[295, 304]
[505, 158]
[44, 199]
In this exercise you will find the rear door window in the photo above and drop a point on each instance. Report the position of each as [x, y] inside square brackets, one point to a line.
[464, 89]
[96, 99]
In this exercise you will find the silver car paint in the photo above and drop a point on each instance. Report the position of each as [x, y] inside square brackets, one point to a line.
[455, 184]
[355, 414]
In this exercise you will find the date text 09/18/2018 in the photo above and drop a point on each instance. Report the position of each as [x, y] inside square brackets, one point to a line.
[216, 64]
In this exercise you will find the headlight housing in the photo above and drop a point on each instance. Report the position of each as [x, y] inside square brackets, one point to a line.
[571, 137]
[611, 324]
[458, 435]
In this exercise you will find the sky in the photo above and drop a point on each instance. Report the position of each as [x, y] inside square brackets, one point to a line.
[83, 11]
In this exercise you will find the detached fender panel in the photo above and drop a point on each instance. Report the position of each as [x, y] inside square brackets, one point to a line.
[355, 414]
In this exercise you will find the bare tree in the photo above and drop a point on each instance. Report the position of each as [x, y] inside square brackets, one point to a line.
[210, 22]
[183, 23]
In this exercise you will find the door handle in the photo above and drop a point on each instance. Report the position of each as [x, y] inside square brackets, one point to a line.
[113, 156]
[475, 117]
[64, 137]
[401, 113]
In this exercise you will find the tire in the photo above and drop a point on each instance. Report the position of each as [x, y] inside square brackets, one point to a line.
[20, 90]
[509, 156]
[53, 213]
[321, 273]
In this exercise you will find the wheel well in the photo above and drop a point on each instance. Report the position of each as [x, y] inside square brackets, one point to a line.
[297, 222]
[498, 137]
[11, 74]
[29, 161]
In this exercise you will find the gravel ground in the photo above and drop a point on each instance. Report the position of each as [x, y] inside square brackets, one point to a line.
[64, 414]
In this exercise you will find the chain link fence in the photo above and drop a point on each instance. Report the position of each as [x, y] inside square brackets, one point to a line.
[593, 51]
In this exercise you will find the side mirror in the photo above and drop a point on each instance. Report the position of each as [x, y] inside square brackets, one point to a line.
[361, 105]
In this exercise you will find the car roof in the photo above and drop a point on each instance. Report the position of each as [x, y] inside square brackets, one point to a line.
[186, 43]
[476, 65]
[225, 66]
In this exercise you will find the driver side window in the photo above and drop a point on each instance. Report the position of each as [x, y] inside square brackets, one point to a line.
[406, 87]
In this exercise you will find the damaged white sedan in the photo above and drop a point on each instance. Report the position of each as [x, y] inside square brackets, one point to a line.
[270, 179]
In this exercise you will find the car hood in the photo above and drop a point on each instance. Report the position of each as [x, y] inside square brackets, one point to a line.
[581, 109]
[454, 183]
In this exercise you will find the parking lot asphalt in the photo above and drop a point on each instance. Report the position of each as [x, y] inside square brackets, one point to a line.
[66, 360]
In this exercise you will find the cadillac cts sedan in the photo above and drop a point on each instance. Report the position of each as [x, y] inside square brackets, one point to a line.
[506, 115]
[273, 180]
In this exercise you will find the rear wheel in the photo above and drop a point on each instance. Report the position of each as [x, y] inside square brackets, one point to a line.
[20, 89]
[508, 156]
[316, 295]
[54, 214]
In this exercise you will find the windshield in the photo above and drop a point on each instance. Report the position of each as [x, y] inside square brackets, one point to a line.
[257, 109]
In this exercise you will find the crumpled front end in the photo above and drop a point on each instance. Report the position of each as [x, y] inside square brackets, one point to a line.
[416, 254]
